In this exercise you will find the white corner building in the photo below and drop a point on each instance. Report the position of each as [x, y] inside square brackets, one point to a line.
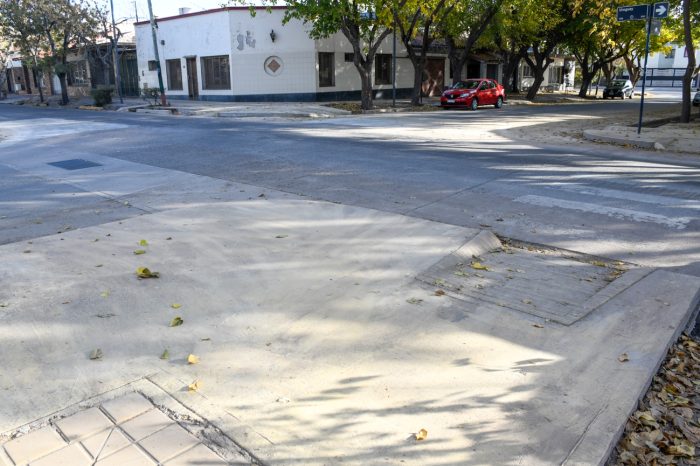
[227, 54]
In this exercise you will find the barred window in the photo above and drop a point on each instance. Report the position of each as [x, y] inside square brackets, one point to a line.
[326, 69]
[174, 74]
[77, 73]
[382, 68]
[217, 74]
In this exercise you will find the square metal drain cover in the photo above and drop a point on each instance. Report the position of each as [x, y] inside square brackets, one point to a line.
[542, 283]
[75, 164]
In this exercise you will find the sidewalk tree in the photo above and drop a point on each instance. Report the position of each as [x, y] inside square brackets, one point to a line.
[689, 34]
[551, 33]
[462, 28]
[18, 23]
[66, 24]
[420, 19]
[4, 57]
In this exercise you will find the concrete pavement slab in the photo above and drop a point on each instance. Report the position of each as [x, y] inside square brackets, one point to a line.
[313, 333]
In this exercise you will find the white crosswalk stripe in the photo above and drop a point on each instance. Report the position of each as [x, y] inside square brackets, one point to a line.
[616, 212]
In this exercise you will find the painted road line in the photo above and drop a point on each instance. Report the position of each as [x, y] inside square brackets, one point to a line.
[631, 196]
[678, 223]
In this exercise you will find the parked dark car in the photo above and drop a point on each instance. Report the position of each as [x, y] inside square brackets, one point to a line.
[472, 93]
[696, 99]
[619, 88]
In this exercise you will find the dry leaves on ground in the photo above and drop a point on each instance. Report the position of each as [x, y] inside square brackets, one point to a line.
[666, 429]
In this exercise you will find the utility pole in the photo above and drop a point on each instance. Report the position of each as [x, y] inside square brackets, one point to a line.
[115, 55]
[163, 100]
[393, 68]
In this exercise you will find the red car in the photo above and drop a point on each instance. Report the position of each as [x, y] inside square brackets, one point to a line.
[472, 93]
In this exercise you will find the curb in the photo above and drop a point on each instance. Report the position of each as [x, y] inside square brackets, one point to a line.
[598, 135]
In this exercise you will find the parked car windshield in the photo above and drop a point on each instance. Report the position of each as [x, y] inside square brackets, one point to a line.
[466, 84]
[618, 83]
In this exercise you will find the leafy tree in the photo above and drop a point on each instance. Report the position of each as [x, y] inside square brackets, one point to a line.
[66, 24]
[426, 16]
[465, 24]
[690, 36]
[4, 57]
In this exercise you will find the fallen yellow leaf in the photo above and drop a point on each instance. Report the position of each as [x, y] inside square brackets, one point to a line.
[96, 354]
[624, 357]
[478, 266]
[598, 263]
[421, 434]
[192, 359]
[165, 355]
[140, 251]
[194, 386]
[143, 242]
[176, 305]
[144, 272]
[176, 321]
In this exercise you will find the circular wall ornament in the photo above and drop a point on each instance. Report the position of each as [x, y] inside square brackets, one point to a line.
[273, 66]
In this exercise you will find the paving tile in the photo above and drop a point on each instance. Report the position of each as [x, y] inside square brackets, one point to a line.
[146, 424]
[127, 407]
[130, 456]
[72, 455]
[4, 459]
[105, 443]
[34, 445]
[83, 424]
[199, 455]
[168, 442]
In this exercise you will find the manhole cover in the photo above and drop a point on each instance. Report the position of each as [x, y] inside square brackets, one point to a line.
[544, 283]
[75, 164]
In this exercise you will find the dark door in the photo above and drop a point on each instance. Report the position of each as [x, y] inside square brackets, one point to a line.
[434, 77]
[192, 83]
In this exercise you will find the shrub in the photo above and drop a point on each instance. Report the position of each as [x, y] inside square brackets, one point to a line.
[102, 95]
[151, 93]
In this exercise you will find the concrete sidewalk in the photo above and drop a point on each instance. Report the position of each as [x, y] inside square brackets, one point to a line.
[320, 336]
[673, 136]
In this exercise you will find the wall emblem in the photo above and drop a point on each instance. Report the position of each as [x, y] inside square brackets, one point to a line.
[274, 66]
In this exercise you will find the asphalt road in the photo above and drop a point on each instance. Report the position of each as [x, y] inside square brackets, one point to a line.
[633, 206]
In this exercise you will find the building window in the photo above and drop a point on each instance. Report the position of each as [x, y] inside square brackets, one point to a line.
[527, 72]
[152, 65]
[349, 57]
[326, 69]
[556, 75]
[77, 73]
[174, 71]
[382, 68]
[216, 73]
[671, 54]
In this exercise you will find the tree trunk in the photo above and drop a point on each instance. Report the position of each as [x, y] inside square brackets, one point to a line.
[37, 81]
[366, 97]
[632, 70]
[587, 76]
[690, 68]
[417, 82]
[64, 87]
[534, 89]
[457, 58]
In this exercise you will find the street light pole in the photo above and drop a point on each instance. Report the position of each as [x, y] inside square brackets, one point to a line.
[163, 100]
[115, 55]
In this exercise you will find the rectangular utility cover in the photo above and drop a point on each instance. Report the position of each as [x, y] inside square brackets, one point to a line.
[75, 164]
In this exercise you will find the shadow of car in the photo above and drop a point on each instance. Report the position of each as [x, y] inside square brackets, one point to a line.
[619, 88]
[696, 99]
[472, 93]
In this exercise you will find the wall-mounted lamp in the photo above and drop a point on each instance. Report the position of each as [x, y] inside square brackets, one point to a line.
[162, 42]
[273, 36]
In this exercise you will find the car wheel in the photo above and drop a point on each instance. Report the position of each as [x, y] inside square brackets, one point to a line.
[499, 102]
[475, 104]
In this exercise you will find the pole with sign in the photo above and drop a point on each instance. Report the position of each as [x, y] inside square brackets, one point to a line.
[651, 14]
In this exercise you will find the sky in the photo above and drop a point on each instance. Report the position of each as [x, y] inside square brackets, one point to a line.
[125, 8]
